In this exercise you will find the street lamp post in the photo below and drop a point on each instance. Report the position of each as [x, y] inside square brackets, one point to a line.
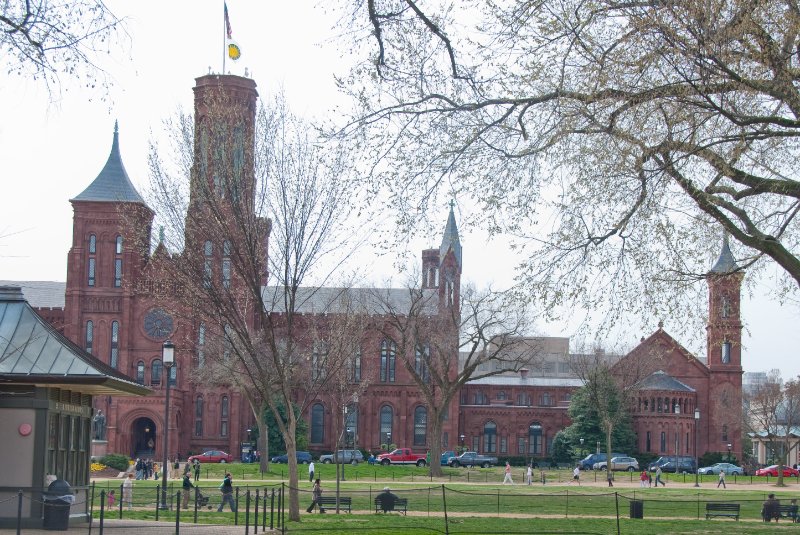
[677, 411]
[730, 446]
[168, 359]
[581, 448]
[696, 463]
[462, 437]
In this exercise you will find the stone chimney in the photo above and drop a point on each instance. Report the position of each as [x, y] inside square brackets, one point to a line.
[523, 373]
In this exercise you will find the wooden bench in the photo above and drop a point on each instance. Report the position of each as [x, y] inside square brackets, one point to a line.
[722, 509]
[329, 502]
[400, 505]
[788, 511]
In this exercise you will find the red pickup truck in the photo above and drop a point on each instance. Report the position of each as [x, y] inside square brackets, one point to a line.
[402, 456]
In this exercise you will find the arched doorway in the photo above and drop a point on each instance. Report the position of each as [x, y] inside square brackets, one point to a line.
[143, 433]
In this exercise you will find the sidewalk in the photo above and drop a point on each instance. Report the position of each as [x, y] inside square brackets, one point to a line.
[137, 527]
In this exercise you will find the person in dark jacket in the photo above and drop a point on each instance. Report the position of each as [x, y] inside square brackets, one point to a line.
[386, 499]
[227, 493]
[771, 508]
[187, 489]
[316, 494]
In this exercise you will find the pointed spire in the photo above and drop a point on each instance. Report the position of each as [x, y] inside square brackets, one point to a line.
[161, 235]
[725, 263]
[112, 184]
[450, 240]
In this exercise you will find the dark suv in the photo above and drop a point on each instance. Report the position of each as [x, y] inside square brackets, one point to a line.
[685, 465]
[303, 457]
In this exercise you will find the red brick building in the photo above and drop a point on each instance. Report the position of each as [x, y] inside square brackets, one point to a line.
[111, 308]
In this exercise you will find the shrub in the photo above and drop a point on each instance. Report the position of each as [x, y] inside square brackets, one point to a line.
[116, 461]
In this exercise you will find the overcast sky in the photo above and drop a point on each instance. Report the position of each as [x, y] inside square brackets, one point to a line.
[50, 151]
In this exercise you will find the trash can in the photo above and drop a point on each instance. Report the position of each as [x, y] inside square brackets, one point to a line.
[637, 509]
[57, 500]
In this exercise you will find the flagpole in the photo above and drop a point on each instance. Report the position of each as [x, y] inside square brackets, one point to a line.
[224, 34]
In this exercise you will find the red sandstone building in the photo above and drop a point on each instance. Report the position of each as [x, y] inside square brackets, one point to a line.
[110, 308]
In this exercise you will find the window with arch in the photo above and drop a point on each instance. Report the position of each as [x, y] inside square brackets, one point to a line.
[420, 426]
[89, 336]
[114, 357]
[386, 417]
[523, 400]
[388, 353]
[155, 372]
[663, 444]
[355, 367]
[502, 395]
[92, 244]
[422, 356]
[173, 375]
[140, 372]
[351, 425]
[319, 361]
[647, 443]
[226, 264]
[224, 412]
[92, 266]
[208, 252]
[118, 262]
[198, 416]
[547, 399]
[317, 423]
[535, 436]
[724, 433]
[490, 437]
[92, 272]
[726, 352]
[201, 345]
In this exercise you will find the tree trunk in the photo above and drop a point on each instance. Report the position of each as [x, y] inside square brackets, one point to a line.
[291, 452]
[435, 443]
[262, 444]
[609, 475]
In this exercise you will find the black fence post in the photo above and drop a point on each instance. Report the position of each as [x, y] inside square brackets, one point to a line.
[264, 512]
[283, 508]
[236, 512]
[255, 520]
[616, 503]
[102, 509]
[196, 499]
[158, 493]
[178, 513]
[19, 511]
[272, 509]
[121, 500]
[246, 512]
[444, 508]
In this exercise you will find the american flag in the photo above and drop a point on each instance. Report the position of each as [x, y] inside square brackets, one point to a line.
[227, 21]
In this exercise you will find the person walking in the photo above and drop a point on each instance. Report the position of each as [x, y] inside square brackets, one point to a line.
[196, 470]
[187, 489]
[722, 479]
[311, 472]
[643, 478]
[658, 477]
[176, 468]
[316, 494]
[529, 474]
[111, 499]
[127, 491]
[576, 475]
[227, 493]
[507, 478]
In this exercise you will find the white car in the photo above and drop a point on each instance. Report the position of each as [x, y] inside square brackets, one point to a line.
[618, 463]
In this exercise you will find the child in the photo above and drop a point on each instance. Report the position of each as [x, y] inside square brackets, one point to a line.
[111, 499]
[127, 491]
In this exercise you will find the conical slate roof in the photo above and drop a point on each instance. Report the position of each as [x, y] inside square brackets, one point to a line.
[450, 239]
[112, 184]
[725, 263]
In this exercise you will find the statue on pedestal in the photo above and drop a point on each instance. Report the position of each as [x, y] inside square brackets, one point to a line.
[99, 426]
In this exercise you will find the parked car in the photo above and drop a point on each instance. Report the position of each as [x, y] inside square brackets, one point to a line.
[618, 463]
[402, 456]
[347, 456]
[446, 457]
[588, 462]
[773, 471]
[667, 463]
[728, 468]
[303, 457]
[212, 456]
[471, 458]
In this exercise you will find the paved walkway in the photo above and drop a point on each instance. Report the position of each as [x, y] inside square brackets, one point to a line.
[138, 527]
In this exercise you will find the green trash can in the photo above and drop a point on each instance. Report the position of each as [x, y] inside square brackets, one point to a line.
[637, 509]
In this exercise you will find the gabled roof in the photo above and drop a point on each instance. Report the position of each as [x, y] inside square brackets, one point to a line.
[112, 184]
[662, 338]
[725, 263]
[32, 352]
[450, 240]
[661, 380]
[327, 300]
[41, 294]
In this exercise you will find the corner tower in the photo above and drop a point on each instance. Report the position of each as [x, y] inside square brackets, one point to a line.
[724, 353]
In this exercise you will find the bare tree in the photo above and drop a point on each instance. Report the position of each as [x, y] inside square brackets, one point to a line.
[488, 330]
[48, 40]
[270, 341]
[614, 139]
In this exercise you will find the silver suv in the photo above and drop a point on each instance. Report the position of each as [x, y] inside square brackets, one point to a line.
[348, 456]
[619, 463]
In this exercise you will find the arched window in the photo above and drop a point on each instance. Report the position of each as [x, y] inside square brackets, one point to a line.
[89, 336]
[388, 351]
[201, 345]
[155, 372]
[351, 425]
[420, 426]
[114, 358]
[92, 244]
[535, 439]
[173, 375]
[490, 437]
[118, 263]
[726, 352]
[140, 372]
[355, 367]
[421, 359]
[226, 264]
[227, 342]
[317, 423]
[92, 272]
[208, 251]
[198, 416]
[386, 425]
[224, 412]
[502, 396]
[92, 261]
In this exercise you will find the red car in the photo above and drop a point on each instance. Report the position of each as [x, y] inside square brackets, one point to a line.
[773, 471]
[213, 456]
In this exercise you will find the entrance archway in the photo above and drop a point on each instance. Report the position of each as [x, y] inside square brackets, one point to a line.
[143, 433]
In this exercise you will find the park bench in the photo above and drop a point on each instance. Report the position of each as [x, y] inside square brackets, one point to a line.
[400, 505]
[788, 511]
[329, 502]
[722, 509]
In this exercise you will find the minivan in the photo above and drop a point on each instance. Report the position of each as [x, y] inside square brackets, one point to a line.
[667, 464]
[587, 462]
